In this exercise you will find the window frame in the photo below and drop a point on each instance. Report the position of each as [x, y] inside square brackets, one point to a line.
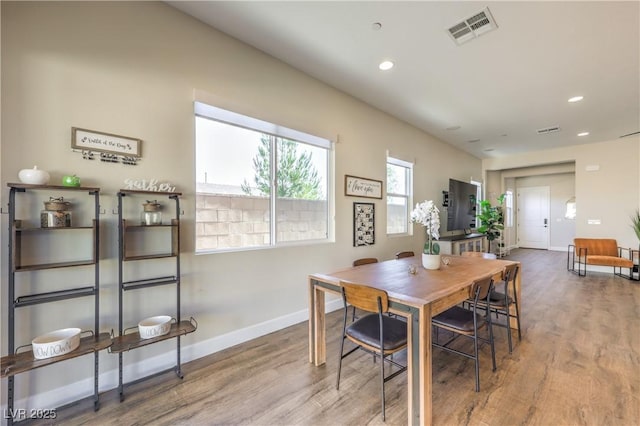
[509, 209]
[275, 131]
[408, 166]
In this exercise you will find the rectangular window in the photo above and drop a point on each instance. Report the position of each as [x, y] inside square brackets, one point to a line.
[258, 184]
[508, 202]
[399, 195]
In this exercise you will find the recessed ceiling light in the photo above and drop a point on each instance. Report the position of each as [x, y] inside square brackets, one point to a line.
[576, 99]
[583, 134]
[386, 65]
[376, 26]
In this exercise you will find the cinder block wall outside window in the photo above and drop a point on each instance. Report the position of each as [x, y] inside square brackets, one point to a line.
[235, 221]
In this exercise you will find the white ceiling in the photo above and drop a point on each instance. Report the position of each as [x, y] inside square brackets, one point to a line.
[499, 88]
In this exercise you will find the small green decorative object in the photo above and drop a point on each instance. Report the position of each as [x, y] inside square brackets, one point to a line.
[70, 180]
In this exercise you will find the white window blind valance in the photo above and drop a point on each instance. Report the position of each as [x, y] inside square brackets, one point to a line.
[233, 118]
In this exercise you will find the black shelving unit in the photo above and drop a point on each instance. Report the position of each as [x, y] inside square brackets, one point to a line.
[20, 362]
[126, 341]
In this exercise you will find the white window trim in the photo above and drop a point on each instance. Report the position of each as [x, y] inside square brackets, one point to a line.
[229, 117]
[409, 196]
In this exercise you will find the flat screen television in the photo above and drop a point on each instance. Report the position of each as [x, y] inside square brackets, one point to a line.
[461, 211]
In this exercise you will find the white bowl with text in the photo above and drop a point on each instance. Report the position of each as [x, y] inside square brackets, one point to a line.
[56, 343]
[154, 326]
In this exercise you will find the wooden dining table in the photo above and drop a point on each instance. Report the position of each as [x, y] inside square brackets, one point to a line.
[417, 297]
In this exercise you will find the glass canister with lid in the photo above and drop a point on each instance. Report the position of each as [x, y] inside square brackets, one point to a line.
[56, 213]
[151, 214]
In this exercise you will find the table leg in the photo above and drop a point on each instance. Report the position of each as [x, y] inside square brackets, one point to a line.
[425, 364]
[412, 406]
[317, 332]
[312, 322]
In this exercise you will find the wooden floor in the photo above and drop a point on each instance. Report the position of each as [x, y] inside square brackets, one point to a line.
[578, 364]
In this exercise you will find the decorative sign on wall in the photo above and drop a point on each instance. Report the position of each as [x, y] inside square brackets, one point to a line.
[363, 224]
[112, 148]
[148, 185]
[360, 187]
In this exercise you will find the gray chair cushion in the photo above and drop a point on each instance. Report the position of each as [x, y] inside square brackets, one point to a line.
[367, 330]
[497, 298]
[458, 318]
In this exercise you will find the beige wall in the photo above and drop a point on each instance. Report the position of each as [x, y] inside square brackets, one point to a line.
[132, 69]
[609, 193]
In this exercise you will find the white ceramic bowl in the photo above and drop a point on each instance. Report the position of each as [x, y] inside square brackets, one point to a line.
[56, 343]
[154, 326]
[33, 176]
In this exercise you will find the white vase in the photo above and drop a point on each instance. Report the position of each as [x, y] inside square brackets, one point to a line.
[431, 261]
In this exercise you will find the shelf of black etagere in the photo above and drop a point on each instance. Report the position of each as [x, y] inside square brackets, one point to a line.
[54, 296]
[129, 229]
[151, 282]
[25, 361]
[21, 362]
[130, 341]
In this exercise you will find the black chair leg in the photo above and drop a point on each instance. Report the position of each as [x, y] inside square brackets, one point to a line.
[477, 361]
[382, 383]
[491, 342]
[515, 302]
[508, 316]
[344, 327]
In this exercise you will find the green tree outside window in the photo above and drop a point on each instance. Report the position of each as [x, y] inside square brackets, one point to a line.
[296, 175]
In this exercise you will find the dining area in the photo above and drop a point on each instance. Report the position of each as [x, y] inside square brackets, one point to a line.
[567, 369]
[424, 298]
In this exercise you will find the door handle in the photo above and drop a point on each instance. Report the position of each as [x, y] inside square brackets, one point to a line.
[546, 222]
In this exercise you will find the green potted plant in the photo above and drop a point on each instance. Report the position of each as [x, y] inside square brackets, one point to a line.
[635, 223]
[491, 220]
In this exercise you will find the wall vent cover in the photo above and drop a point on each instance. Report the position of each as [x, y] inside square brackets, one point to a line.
[546, 130]
[472, 27]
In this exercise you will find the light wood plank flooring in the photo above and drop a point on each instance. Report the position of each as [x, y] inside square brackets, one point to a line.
[578, 364]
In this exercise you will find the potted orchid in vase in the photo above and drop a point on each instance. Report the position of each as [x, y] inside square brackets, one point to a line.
[428, 215]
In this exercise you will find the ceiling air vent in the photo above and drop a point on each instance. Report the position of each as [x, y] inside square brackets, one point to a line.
[546, 130]
[472, 27]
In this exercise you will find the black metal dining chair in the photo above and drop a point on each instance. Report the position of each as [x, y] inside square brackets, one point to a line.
[500, 303]
[359, 262]
[467, 323]
[403, 254]
[375, 332]
[365, 261]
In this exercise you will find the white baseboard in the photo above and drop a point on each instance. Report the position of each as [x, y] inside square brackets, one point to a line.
[109, 380]
[552, 248]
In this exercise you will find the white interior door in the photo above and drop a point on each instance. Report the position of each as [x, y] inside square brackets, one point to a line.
[533, 217]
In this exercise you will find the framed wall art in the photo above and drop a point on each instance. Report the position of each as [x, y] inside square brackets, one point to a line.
[363, 224]
[91, 140]
[355, 186]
